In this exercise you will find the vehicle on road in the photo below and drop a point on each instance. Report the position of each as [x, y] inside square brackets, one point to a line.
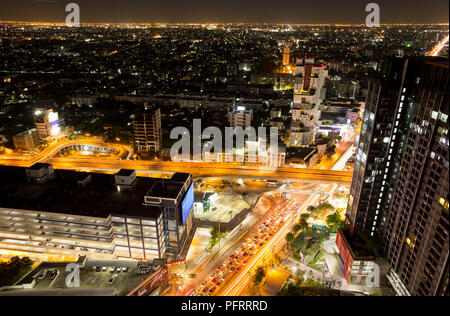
[113, 279]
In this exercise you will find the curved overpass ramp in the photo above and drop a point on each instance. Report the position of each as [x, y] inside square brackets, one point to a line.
[49, 152]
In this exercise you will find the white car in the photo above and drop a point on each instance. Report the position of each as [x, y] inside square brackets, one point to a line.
[113, 279]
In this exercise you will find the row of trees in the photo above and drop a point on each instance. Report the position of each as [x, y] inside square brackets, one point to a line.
[215, 235]
[321, 210]
[301, 287]
[13, 270]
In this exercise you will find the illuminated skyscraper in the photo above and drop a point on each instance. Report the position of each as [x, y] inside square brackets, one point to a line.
[309, 91]
[147, 132]
[399, 193]
[286, 54]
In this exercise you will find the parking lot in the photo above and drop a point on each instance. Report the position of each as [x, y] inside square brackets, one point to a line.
[52, 275]
[221, 205]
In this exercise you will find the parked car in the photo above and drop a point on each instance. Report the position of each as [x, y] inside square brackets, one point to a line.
[42, 274]
[53, 274]
[113, 279]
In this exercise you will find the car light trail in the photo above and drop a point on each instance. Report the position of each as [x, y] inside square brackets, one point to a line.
[437, 49]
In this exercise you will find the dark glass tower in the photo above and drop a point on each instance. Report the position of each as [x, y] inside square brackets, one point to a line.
[399, 192]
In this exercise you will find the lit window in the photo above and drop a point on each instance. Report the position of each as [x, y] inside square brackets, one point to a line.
[409, 243]
[444, 203]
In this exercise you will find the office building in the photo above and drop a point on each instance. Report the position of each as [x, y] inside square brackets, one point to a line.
[27, 140]
[300, 135]
[399, 193]
[240, 116]
[47, 124]
[53, 215]
[147, 132]
[309, 87]
[286, 54]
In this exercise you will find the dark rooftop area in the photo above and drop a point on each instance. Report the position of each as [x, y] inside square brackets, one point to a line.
[360, 246]
[38, 166]
[98, 198]
[125, 172]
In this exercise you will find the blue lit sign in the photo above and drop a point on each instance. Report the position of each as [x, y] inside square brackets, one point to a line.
[188, 203]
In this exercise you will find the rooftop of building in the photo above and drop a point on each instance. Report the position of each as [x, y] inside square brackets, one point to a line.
[26, 132]
[92, 281]
[99, 197]
[325, 140]
[125, 172]
[38, 166]
[361, 247]
[301, 153]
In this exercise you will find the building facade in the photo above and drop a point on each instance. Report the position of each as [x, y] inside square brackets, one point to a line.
[47, 214]
[399, 193]
[147, 132]
[416, 234]
[47, 124]
[240, 117]
[27, 140]
[308, 92]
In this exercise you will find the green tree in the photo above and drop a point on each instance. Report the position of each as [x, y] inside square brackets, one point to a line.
[290, 238]
[303, 223]
[260, 274]
[12, 271]
[291, 290]
[215, 235]
[334, 222]
[312, 210]
[324, 208]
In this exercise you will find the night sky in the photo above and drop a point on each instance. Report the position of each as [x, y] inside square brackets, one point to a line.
[270, 11]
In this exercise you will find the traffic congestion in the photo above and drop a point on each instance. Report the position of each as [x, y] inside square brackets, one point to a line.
[243, 255]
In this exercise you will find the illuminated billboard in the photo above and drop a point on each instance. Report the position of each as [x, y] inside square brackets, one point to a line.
[188, 203]
[53, 119]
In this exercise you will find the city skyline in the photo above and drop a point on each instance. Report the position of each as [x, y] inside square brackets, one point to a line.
[202, 11]
[196, 158]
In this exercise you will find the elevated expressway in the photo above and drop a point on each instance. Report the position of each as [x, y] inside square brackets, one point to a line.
[204, 169]
[146, 168]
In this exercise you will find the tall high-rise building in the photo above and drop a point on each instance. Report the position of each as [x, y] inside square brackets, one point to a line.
[416, 232]
[147, 131]
[399, 193]
[286, 54]
[308, 92]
